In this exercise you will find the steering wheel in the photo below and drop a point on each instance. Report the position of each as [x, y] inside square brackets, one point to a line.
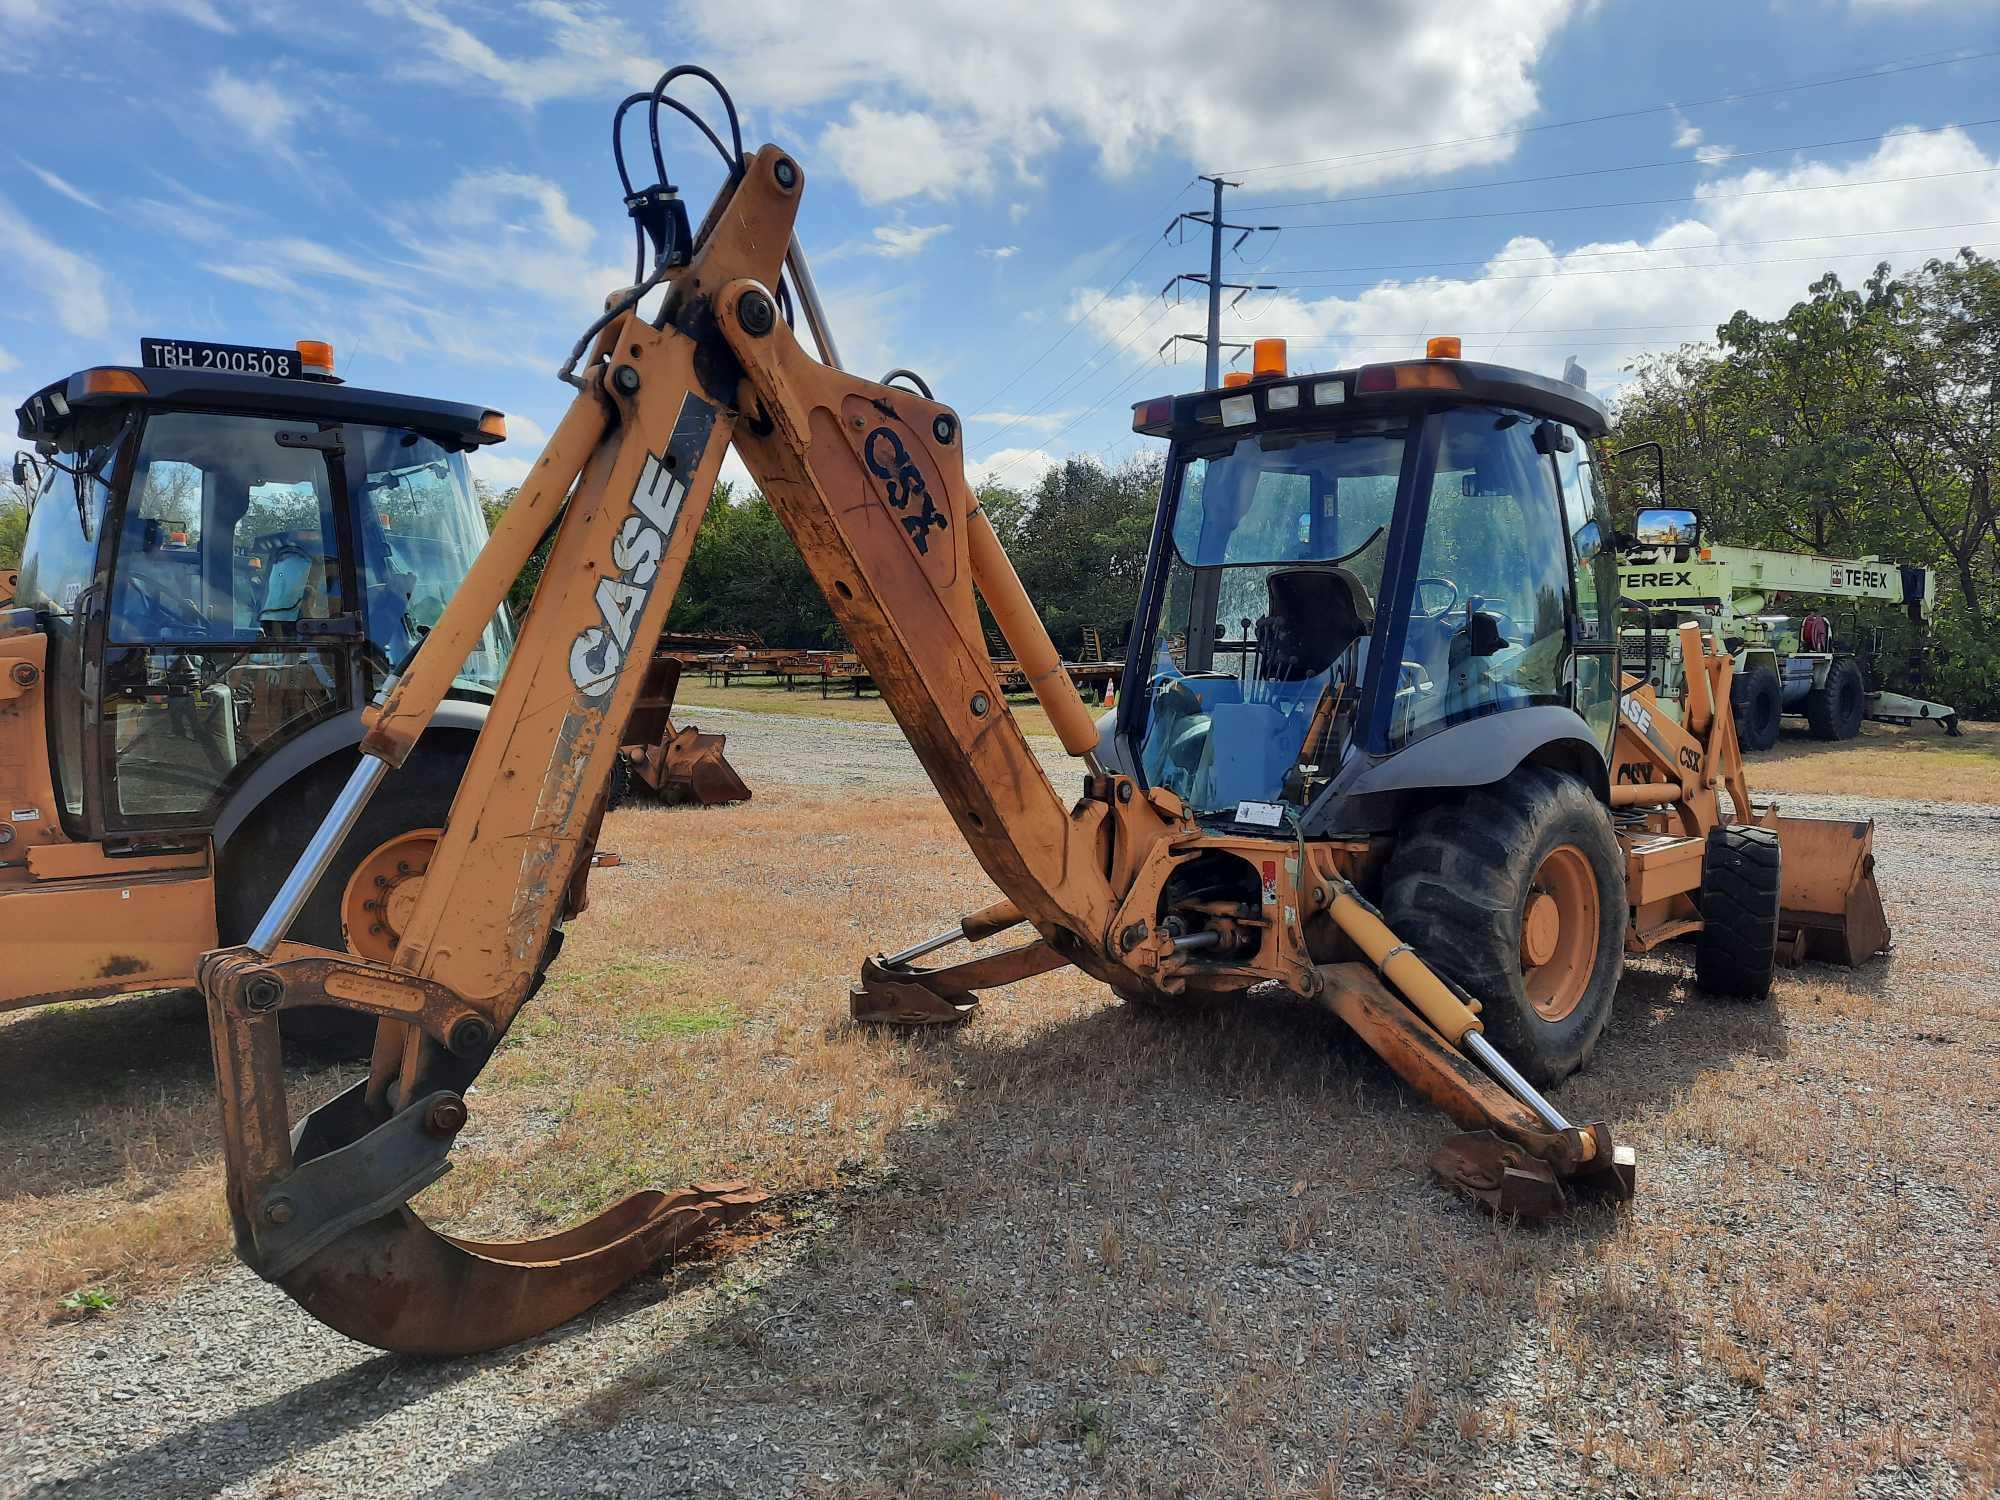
[1432, 580]
[1168, 686]
[184, 611]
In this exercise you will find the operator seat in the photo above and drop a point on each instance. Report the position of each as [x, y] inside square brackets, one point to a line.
[1318, 611]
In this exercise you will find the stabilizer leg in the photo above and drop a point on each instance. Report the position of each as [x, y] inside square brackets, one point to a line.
[1514, 1159]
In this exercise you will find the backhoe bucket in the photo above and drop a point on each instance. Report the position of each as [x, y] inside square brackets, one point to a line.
[675, 765]
[691, 769]
[396, 1283]
[1830, 908]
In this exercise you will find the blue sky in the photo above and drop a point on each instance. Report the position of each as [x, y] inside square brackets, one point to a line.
[427, 183]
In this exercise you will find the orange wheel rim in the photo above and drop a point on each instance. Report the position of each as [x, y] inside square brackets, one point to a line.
[1559, 923]
[382, 892]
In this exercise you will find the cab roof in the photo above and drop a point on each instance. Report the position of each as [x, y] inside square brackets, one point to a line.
[51, 408]
[1310, 400]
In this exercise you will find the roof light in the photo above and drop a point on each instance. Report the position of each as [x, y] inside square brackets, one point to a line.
[112, 383]
[1267, 358]
[1235, 378]
[1328, 393]
[494, 425]
[315, 357]
[1153, 417]
[1414, 376]
[1239, 411]
[1443, 346]
[1282, 397]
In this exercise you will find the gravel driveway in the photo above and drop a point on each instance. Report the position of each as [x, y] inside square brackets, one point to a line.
[1210, 1268]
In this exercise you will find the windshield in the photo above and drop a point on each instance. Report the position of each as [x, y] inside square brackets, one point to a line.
[1276, 558]
[420, 527]
[1274, 576]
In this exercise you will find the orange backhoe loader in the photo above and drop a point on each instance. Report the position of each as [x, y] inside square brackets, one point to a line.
[1414, 787]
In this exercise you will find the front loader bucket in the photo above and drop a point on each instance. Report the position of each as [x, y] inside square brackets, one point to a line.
[1830, 908]
[692, 769]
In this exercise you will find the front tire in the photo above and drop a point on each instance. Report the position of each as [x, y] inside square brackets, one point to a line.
[1516, 892]
[1741, 876]
[1754, 697]
[1835, 710]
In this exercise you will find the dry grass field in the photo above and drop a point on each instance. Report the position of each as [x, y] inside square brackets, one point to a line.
[1069, 1249]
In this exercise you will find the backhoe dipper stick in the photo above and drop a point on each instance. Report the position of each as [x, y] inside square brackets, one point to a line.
[323, 1211]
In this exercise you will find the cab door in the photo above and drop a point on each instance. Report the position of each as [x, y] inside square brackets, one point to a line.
[231, 624]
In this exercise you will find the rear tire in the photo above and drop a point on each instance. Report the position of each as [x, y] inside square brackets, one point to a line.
[1737, 948]
[1835, 710]
[1754, 698]
[417, 795]
[1527, 866]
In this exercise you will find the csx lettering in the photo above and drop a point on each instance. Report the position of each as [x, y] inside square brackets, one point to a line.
[902, 482]
[598, 652]
[1690, 759]
[1634, 773]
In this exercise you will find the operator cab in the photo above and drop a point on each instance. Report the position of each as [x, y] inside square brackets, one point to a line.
[227, 547]
[1349, 564]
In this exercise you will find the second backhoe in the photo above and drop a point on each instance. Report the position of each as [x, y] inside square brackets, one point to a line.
[1372, 748]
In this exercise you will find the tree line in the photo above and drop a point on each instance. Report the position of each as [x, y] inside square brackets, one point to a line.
[1863, 422]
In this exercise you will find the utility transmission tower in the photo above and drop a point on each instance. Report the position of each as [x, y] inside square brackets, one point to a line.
[1216, 226]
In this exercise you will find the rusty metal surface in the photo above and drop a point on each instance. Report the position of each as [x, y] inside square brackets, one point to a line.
[398, 1284]
[933, 997]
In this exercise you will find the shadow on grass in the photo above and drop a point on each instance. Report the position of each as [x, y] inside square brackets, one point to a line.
[881, 1343]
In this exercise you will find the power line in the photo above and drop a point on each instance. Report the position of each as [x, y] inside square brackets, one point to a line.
[1089, 411]
[1084, 370]
[1715, 265]
[1642, 166]
[1790, 239]
[1737, 97]
[1572, 208]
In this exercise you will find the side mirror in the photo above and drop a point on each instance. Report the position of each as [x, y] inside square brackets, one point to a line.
[1588, 541]
[27, 473]
[1668, 527]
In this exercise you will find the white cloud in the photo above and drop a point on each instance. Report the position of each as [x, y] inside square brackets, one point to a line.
[258, 110]
[1020, 468]
[1045, 421]
[1686, 133]
[899, 241]
[586, 52]
[1712, 156]
[890, 154]
[1747, 242]
[72, 285]
[57, 184]
[1000, 252]
[201, 12]
[525, 431]
[514, 230]
[8, 362]
[27, 13]
[499, 468]
[972, 88]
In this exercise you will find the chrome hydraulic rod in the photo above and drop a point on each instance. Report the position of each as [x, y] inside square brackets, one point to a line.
[1511, 1079]
[809, 303]
[326, 841]
[928, 945]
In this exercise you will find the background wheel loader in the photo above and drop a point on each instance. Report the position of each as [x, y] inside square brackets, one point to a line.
[1415, 788]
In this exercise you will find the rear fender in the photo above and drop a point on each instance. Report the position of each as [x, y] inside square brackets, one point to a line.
[330, 737]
